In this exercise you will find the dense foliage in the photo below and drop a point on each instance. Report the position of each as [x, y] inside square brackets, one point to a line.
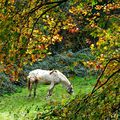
[29, 27]
[26, 31]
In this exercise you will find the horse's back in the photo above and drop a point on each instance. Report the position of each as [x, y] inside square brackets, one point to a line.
[38, 72]
[43, 76]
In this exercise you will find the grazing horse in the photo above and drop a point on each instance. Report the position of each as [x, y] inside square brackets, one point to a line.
[52, 77]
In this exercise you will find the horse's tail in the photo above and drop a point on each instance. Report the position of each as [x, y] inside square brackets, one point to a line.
[28, 82]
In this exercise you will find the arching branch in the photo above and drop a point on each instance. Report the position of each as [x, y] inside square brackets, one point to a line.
[41, 16]
[44, 4]
[55, 4]
[108, 79]
[47, 3]
[113, 59]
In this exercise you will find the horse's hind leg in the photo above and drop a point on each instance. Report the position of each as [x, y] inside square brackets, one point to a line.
[35, 87]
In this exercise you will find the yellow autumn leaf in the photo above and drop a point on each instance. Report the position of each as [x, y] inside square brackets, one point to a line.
[105, 48]
[92, 46]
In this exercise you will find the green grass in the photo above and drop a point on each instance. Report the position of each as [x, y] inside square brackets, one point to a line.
[18, 106]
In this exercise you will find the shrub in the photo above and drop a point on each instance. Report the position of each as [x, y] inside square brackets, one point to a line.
[5, 84]
[68, 62]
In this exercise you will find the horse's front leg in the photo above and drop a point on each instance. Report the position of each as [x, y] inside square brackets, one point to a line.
[30, 90]
[51, 89]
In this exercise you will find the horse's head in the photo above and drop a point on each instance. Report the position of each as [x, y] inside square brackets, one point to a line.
[70, 89]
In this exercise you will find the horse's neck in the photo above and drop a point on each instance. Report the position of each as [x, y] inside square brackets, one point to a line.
[64, 81]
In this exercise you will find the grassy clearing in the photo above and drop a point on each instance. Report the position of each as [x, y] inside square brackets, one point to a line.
[19, 107]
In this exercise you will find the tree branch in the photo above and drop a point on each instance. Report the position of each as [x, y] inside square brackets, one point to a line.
[47, 3]
[116, 59]
[59, 3]
[108, 79]
[43, 14]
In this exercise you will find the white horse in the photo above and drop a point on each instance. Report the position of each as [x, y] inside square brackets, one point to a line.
[52, 77]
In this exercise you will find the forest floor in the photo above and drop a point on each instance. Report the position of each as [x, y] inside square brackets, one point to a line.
[19, 106]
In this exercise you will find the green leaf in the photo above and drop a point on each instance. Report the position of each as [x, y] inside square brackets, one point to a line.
[94, 2]
[16, 34]
[22, 51]
[24, 40]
